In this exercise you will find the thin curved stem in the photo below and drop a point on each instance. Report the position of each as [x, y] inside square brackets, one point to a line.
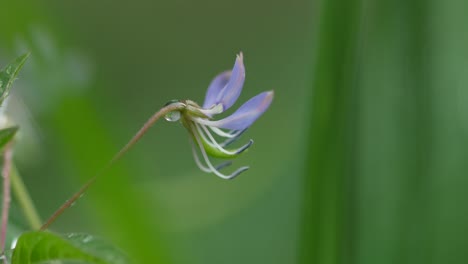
[7, 156]
[162, 112]
[24, 200]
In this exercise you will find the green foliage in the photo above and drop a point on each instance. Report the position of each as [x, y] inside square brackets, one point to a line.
[8, 75]
[387, 152]
[6, 135]
[45, 247]
[323, 232]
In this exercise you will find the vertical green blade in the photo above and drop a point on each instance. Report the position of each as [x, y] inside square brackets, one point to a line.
[330, 148]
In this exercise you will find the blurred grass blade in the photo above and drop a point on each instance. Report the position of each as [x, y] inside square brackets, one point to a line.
[45, 247]
[395, 202]
[331, 118]
[369, 185]
[8, 75]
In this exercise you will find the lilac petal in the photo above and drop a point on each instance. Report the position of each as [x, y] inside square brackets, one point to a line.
[245, 115]
[215, 88]
[223, 91]
[231, 92]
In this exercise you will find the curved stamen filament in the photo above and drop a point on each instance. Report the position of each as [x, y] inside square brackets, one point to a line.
[232, 137]
[221, 133]
[197, 160]
[216, 109]
[229, 141]
[215, 144]
[223, 165]
[213, 169]
[201, 166]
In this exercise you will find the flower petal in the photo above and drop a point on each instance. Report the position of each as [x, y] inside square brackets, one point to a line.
[226, 87]
[233, 88]
[245, 115]
[215, 88]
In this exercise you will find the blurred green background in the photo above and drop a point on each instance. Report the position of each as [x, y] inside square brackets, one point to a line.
[360, 159]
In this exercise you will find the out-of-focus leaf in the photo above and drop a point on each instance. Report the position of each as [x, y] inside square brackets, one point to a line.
[45, 247]
[8, 75]
[325, 237]
[6, 135]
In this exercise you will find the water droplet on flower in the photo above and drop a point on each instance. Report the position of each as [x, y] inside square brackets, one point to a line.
[172, 116]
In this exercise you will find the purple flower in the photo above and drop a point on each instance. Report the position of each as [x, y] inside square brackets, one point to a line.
[211, 137]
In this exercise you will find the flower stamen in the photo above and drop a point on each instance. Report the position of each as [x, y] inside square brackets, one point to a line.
[212, 142]
[201, 166]
[221, 133]
[197, 159]
[207, 160]
[229, 141]
[216, 109]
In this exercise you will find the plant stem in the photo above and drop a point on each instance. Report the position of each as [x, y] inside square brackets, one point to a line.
[156, 116]
[24, 200]
[6, 193]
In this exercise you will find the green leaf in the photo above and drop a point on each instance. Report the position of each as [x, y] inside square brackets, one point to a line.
[98, 247]
[45, 247]
[326, 218]
[8, 75]
[6, 135]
